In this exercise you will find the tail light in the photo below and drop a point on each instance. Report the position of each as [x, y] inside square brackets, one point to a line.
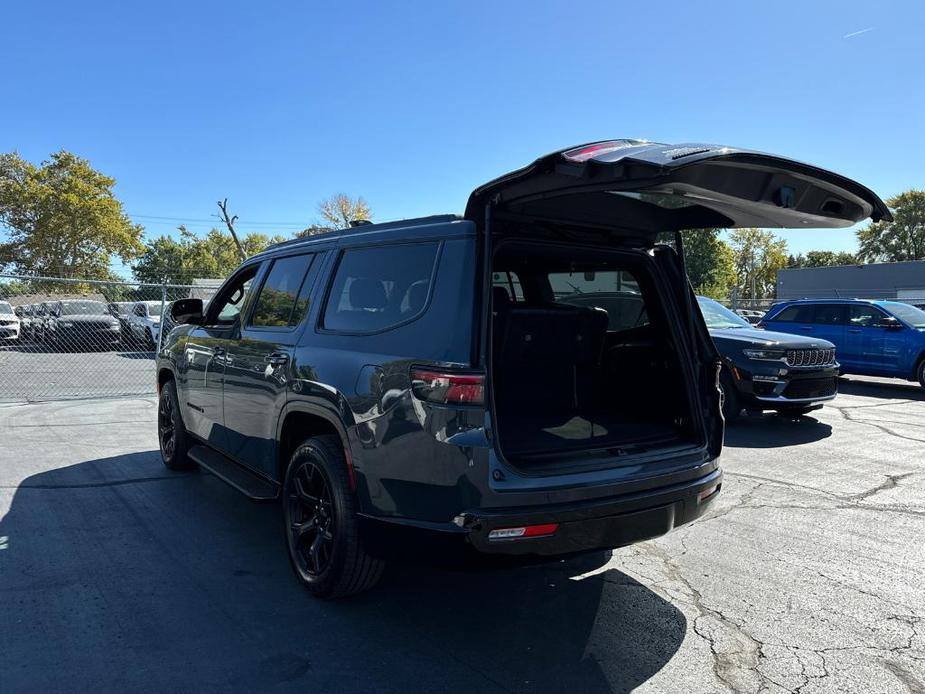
[583, 154]
[447, 387]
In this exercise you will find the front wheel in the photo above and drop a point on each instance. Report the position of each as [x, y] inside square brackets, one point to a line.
[171, 434]
[321, 524]
[732, 406]
[920, 373]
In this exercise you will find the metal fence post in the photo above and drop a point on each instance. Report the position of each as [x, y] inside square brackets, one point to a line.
[160, 330]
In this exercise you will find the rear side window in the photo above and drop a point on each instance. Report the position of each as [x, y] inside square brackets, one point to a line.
[802, 313]
[280, 303]
[375, 289]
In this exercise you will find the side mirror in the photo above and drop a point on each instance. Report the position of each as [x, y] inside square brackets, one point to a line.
[187, 311]
[890, 323]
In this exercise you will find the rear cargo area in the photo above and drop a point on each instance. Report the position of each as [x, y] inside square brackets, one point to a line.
[583, 357]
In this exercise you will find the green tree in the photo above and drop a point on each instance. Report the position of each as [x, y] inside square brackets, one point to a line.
[181, 260]
[758, 255]
[822, 259]
[901, 239]
[709, 261]
[337, 212]
[63, 218]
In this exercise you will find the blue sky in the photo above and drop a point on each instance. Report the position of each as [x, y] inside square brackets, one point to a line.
[277, 105]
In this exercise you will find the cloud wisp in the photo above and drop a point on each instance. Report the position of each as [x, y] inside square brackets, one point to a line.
[858, 33]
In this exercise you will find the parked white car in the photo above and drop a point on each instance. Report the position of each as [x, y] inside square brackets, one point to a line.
[144, 322]
[9, 322]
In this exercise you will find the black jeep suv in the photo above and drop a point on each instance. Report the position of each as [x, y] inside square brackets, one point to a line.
[765, 370]
[474, 385]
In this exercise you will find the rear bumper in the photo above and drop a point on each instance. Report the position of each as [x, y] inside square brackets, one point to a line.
[582, 526]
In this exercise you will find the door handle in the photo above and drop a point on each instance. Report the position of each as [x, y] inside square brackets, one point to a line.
[806, 328]
[854, 330]
[277, 359]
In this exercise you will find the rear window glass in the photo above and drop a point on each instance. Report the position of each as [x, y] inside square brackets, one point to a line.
[279, 303]
[378, 288]
[830, 314]
[614, 291]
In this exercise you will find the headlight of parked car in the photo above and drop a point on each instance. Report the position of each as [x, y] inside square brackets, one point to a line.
[765, 354]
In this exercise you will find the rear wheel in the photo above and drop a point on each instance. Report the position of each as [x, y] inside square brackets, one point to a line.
[321, 524]
[149, 340]
[171, 434]
[732, 406]
[920, 373]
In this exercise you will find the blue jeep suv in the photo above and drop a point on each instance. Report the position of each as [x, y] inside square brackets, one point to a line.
[873, 338]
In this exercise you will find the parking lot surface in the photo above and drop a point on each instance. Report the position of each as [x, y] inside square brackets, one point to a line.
[116, 574]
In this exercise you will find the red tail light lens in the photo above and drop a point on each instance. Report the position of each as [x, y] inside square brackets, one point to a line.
[448, 388]
[582, 154]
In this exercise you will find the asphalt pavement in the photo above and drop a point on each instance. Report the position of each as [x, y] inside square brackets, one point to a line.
[118, 575]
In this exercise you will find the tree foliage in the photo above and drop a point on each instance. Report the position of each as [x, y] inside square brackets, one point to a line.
[758, 255]
[63, 218]
[337, 212]
[709, 261]
[822, 259]
[901, 239]
[181, 260]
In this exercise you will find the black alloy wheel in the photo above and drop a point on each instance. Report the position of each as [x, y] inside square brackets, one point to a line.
[321, 521]
[310, 514]
[171, 434]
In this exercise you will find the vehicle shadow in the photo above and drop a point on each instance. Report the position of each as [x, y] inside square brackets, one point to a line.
[116, 574]
[771, 430]
[898, 390]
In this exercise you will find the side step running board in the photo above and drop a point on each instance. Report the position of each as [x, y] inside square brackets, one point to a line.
[242, 479]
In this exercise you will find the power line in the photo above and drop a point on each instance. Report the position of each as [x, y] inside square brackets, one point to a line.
[214, 220]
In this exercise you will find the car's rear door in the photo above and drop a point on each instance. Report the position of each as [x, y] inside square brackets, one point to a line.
[257, 372]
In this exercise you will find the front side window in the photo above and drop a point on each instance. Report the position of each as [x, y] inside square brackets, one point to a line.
[227, 306]
[280, 303]
[865, 316]
[378, 288]
[510, 283]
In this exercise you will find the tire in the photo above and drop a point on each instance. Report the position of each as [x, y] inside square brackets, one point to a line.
[171, 434]
[732, 405]
[150, 344]
[920, 373]
[321, 523]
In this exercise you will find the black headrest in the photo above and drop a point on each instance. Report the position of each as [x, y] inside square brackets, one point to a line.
[366, 293]
[501, 300]
[417, 296]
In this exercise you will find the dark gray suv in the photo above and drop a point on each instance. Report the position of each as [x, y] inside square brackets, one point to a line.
[472, 386]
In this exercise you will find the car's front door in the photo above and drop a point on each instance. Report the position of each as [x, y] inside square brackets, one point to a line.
[207, 356]
[872, 345]
[257, 367]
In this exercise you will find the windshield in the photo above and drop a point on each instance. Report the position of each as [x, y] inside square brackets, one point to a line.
[5, 307]
[83, 308]
[718, 316]
[908, 314]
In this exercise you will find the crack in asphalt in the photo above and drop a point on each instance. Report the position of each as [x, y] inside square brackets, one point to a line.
[846, 412]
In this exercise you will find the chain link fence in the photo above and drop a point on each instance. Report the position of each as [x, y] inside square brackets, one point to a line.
[66, 338]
